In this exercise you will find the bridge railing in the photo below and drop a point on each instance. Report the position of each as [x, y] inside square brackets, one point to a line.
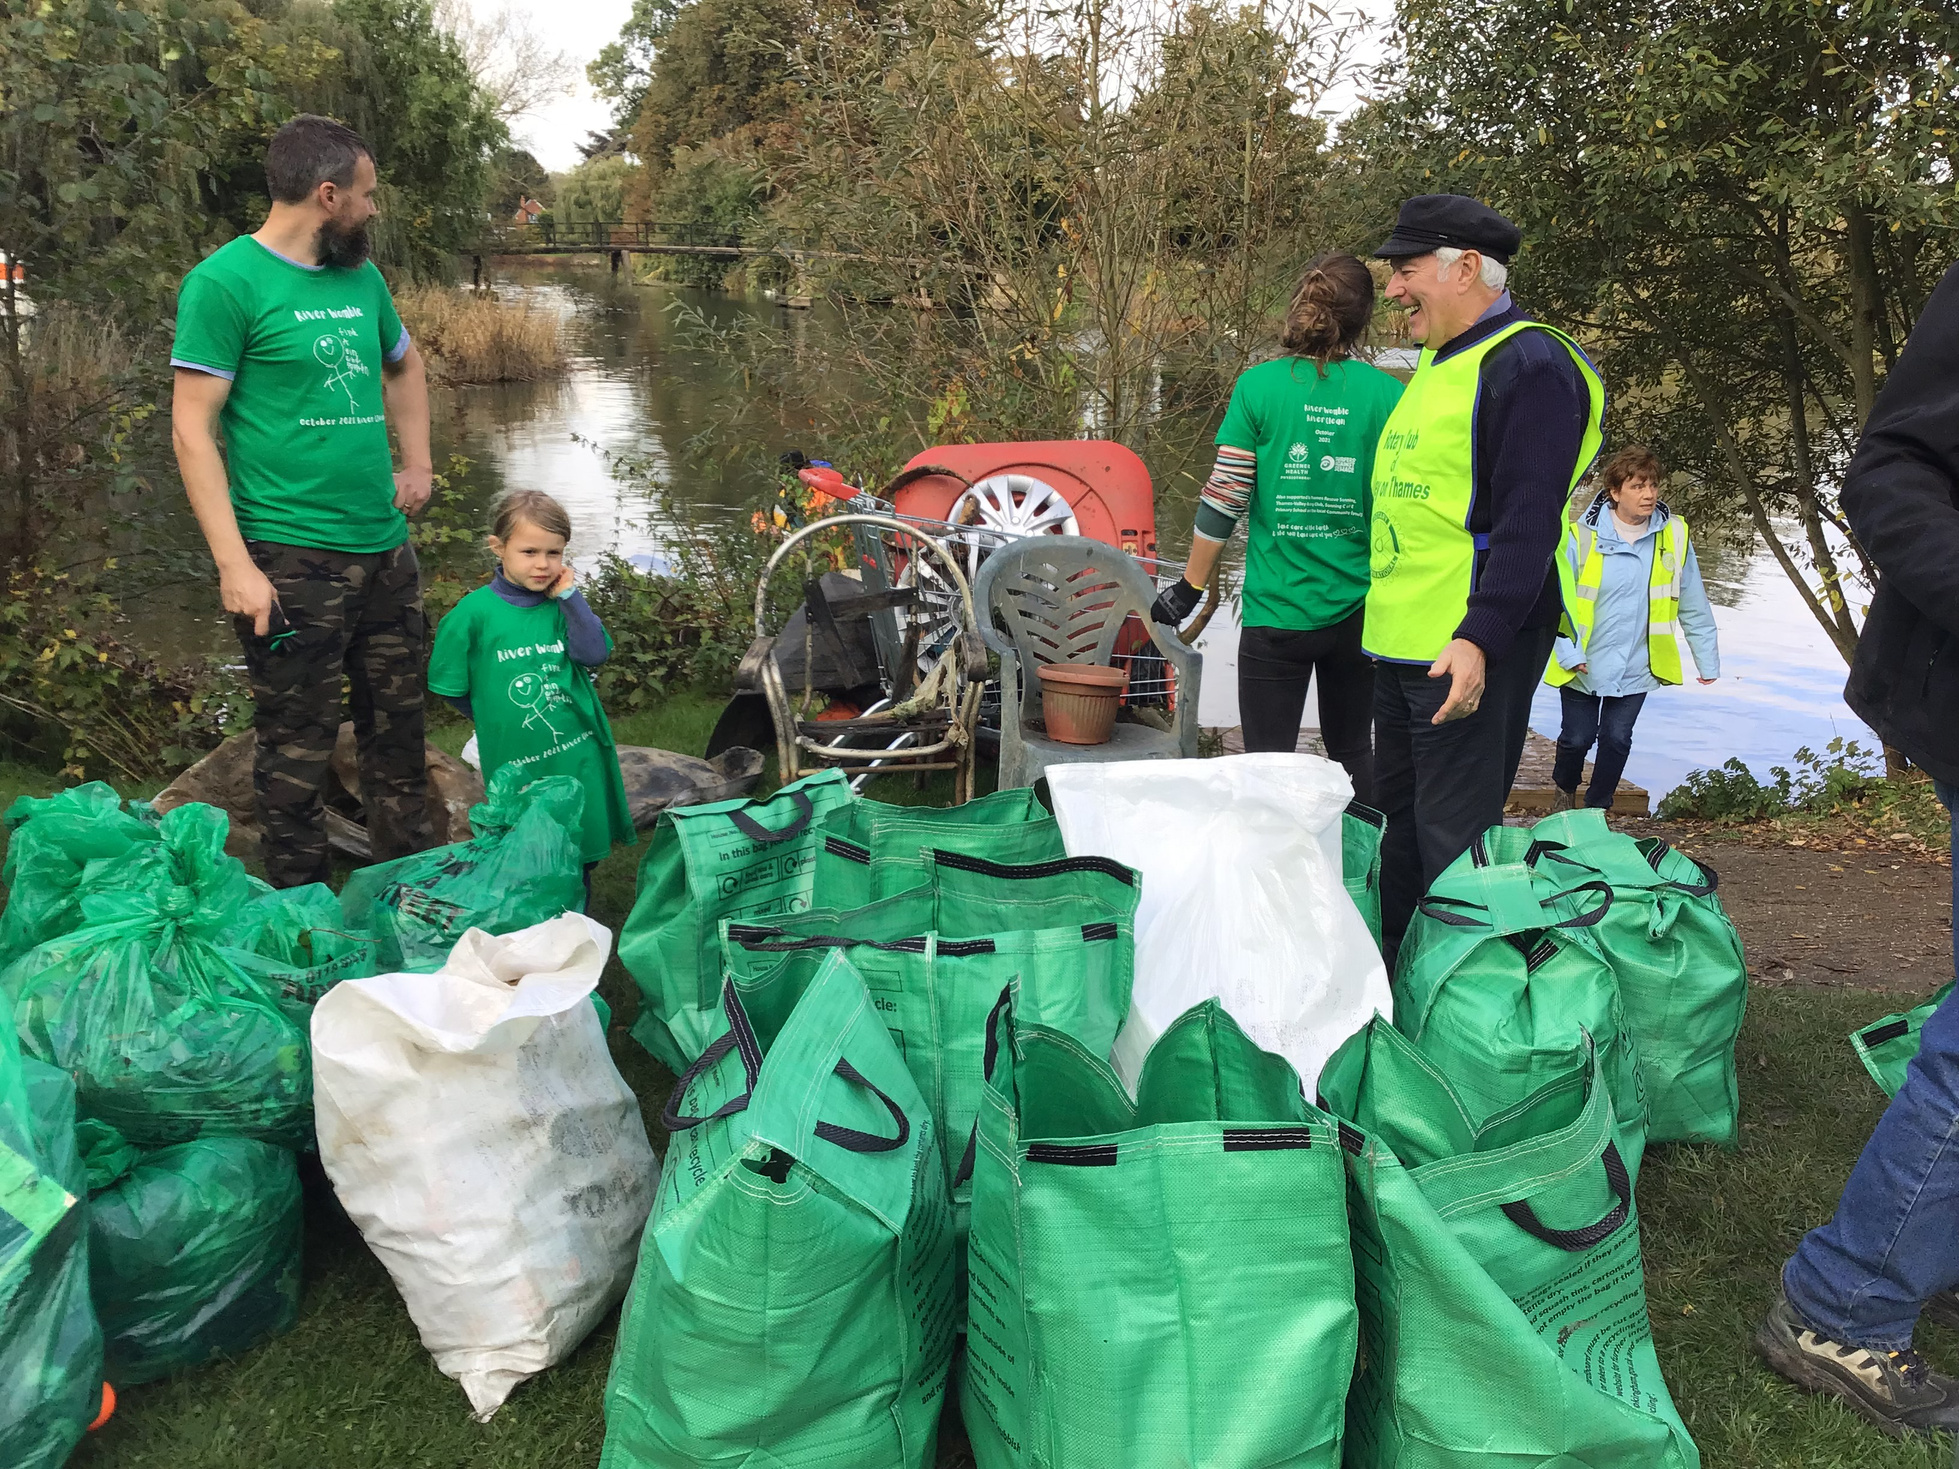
[568, 235]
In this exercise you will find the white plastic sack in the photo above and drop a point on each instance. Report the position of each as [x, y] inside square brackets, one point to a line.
[477, 1132]
[1242, 897]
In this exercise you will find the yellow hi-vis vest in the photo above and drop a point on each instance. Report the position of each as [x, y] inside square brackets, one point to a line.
[1422, 552]
[1662, 596]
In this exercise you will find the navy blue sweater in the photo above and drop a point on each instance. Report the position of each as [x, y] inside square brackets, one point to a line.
[1530, 421]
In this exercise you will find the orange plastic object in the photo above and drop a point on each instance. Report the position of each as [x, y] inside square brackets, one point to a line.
[108, 1407]
[1078, 701]
[826, 481]
[1107, 486]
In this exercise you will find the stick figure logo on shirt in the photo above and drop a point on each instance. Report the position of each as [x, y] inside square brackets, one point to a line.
[343, 365]
[531, 693]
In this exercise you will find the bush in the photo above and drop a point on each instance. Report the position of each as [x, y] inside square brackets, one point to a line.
[477, 337]
[1847, 780]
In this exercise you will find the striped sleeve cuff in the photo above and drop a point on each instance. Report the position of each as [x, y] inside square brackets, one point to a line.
[203, 367]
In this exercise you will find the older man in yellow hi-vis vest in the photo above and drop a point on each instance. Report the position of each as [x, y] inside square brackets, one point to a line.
[1475, 467]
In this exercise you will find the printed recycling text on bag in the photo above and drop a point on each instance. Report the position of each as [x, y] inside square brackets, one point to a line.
[936, 959]
[1499, 977]
[1677, 957]
[50, 1345]
[194, 1250]
[1887, 1047]
[870, 850]
[477, 1132]
[1243, 896]
[742, 860]
[794, 1305]
[168, 1039]
[1163, 1282]
[522, 867]
[54, 840]
[296, 942]
[1502, 1302]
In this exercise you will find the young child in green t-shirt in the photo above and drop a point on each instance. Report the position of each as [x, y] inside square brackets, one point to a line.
[517, 657]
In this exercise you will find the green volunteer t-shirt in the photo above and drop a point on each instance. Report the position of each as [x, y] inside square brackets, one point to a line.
[533, 706]
[1306, 544]
[306, 443]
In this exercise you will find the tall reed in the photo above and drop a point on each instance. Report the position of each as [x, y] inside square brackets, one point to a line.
[477, 337]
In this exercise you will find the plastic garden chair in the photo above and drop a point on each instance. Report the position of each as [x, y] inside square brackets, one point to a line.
[1064, 599]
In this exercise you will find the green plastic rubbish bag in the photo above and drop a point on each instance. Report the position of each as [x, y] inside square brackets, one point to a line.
[794, 1302]
[297, 943]
[54, 840]
[1502, 1301]
[1361, 829]
[50, 1344]
[1678, 960]
[872, 851]
[166, 1037]
[1887, 1047]
[1168, 1281]
[935, 961]
[194, 1250]
[523, 866]
[1499, 975]
[742, 860]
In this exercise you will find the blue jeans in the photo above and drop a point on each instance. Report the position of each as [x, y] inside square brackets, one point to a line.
[1588, 718]
[1894, 1243]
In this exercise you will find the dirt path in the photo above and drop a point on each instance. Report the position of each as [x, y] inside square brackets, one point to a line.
[1861, 917]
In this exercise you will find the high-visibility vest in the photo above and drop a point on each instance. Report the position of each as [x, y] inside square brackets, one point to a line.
[1662, 595]
[1422, 554]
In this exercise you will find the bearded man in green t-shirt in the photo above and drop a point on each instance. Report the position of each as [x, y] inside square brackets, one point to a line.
[288, 341]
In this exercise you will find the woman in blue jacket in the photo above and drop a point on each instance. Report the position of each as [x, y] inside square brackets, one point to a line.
[1631, 582]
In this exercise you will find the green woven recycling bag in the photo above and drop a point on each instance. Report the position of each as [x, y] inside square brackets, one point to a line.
[1678, 960]
[50, 1345]
[1498, 977]
[194, 1251]
[1361, 829]
[1888, 1046]
[934, 982]
[744, 860]
[1502, 1304]
[793, 1304]
[1164, 1282]
[872, 851]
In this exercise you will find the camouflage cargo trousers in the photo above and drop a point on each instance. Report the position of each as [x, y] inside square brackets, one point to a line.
[344, 614]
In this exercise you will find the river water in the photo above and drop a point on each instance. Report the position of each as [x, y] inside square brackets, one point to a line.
[640, 390]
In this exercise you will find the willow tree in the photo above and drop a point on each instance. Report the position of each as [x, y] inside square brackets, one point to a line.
[1741, 207]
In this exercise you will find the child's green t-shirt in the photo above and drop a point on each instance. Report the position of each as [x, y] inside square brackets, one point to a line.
[1306, 544]
[533, 706]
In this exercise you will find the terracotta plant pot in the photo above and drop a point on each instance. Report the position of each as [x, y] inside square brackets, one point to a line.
[1079, 701]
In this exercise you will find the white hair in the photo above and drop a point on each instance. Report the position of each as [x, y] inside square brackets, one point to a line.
[1493, 274]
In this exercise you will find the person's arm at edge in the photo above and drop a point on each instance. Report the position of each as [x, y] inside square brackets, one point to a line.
[405, 398]
[1220, 505]
[586, 643]
[1898, 491]
[1697, 620]
[196, 400]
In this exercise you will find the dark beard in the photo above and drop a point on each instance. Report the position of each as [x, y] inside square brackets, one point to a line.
[343, 247]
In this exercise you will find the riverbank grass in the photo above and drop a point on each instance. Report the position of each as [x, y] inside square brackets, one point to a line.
[481, 337]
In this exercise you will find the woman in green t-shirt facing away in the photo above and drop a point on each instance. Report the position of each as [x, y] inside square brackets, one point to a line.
[517, 657]
[1296, 452]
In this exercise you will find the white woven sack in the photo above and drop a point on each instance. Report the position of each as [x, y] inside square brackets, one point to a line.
[1242, 897]
[477, 1132]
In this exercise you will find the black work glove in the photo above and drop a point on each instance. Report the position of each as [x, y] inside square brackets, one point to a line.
[1176, 602]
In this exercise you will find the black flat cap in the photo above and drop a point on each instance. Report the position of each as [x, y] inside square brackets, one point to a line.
[1430, 221]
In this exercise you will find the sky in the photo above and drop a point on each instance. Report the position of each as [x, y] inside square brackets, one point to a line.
[581, 27]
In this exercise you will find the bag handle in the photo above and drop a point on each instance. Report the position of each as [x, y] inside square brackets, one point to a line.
[748, 826]
[1438, 909]
[1659, 850]
[1576, 1241]
[740, 1036]
[1000, 1006]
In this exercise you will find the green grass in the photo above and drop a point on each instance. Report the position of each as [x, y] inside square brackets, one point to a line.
[351, 1387]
